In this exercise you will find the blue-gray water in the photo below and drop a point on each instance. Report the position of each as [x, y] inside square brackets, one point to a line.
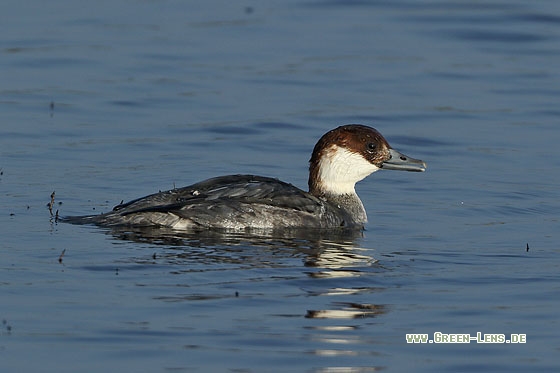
[112, 100]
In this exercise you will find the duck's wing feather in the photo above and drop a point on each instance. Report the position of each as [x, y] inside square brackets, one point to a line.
[234, 201]
[243, 189]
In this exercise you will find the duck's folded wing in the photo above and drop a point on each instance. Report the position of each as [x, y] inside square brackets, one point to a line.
[226, 201]
[224, 191]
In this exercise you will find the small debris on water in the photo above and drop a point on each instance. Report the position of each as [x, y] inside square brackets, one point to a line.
[61, 255]
[7, 326]
[51, 203]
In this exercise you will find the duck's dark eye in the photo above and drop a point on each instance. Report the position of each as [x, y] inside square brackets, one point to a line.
[371, 147]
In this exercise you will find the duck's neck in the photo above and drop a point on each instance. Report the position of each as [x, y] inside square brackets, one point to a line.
[333, 174]
[350, 203]
[339, 193]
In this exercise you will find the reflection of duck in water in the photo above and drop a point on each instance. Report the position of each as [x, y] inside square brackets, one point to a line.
[341, 158]
[326, 253]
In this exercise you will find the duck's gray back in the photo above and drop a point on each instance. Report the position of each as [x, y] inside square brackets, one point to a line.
[231, 202]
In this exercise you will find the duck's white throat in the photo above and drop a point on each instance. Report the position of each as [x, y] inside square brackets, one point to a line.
[340, 170]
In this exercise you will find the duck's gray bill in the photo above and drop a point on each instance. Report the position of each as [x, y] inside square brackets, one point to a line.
[401, 162]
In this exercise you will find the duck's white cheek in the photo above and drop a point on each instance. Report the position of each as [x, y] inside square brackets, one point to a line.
[340, 169]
